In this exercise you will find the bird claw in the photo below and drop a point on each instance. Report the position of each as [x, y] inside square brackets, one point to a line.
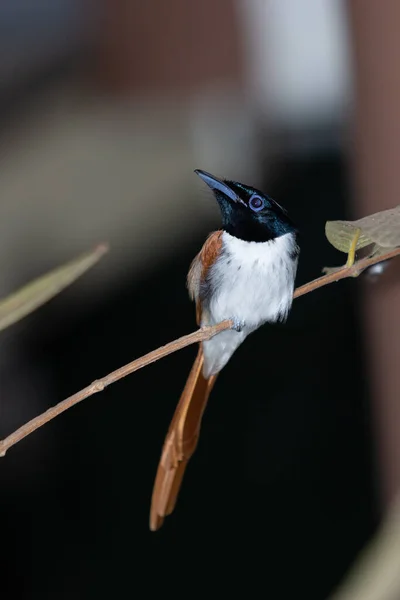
[237, 324]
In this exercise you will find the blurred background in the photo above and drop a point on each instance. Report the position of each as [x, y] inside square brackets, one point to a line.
[107, 107]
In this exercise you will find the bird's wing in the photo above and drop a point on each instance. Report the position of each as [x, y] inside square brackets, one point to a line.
[199, 269]
[184, 430]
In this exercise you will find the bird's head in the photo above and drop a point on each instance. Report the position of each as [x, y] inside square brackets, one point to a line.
[247, 213]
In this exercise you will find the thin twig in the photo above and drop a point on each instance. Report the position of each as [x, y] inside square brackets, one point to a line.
[344, 272]
[99, 385]
[200, 335]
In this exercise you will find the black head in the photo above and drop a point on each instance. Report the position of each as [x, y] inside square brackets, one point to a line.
[247, 213]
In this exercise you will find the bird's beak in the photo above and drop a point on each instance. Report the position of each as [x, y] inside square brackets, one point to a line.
[218, 186]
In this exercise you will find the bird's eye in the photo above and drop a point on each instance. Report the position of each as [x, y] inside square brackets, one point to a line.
[256, 203]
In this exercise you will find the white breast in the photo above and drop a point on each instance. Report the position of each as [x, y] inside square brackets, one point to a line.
[252, 282]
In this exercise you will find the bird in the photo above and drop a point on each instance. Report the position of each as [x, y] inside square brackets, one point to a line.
[244, 272]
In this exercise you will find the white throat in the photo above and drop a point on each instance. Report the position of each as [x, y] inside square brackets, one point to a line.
[253, 282]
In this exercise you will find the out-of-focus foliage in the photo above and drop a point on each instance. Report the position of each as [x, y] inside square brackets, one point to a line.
[17, 305]
[381, 231]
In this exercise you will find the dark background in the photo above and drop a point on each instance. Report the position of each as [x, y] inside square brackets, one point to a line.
[281, 494]
[282, 478]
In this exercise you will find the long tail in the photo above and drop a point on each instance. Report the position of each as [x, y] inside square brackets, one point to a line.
[180, 443]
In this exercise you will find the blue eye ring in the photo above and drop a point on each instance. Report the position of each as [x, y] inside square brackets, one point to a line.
[256, 203]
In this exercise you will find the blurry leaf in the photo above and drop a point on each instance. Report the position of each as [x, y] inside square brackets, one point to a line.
[380, 229]
[34, 294]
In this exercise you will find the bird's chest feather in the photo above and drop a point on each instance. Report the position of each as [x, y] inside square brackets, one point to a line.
[252, 281]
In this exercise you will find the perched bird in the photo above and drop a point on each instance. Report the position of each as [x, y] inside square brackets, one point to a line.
[244, 272]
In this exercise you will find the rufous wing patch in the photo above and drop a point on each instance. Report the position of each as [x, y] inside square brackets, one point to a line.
[193, 278]
[184, 430]
[210, 252]
[200, 267]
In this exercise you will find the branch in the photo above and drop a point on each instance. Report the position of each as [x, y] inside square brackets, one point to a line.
[344, 272]
[200, 335]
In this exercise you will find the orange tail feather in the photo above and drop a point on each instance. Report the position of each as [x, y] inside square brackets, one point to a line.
[180, 443]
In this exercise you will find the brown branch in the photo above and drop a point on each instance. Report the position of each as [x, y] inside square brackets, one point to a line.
[100, 384]
[344, 272]
[198, 336]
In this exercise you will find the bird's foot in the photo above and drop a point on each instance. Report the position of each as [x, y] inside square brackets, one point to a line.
[237, 324]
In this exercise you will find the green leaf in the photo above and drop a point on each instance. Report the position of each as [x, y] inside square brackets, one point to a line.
[15, 307]
[380, 229]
